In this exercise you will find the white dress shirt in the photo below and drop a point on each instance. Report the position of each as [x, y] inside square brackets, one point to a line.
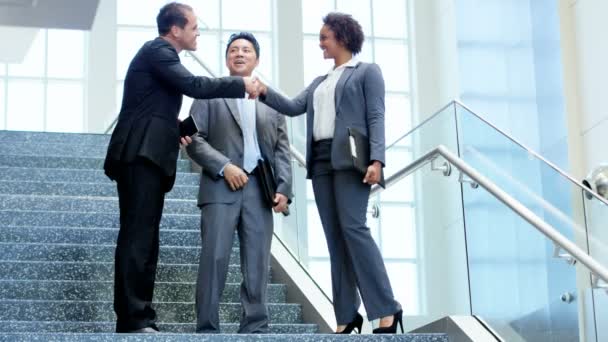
[324, 102]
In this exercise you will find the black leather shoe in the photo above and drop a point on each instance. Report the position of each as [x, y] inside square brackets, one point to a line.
[397, 317]
[146, 330]
[356, 323]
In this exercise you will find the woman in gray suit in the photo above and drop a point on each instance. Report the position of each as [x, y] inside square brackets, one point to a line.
[351, 95]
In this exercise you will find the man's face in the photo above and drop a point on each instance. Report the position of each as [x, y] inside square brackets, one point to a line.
[186, 37]
[241, 58]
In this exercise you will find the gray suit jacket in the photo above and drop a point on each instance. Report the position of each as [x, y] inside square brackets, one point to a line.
[359, 103]
[220, 140]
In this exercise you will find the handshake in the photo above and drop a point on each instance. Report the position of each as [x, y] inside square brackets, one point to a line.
[254, 87]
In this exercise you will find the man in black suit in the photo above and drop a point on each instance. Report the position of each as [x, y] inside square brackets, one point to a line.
[143, 152]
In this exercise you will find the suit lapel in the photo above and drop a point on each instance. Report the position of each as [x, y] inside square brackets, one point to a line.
[234, 110]
[346, 74]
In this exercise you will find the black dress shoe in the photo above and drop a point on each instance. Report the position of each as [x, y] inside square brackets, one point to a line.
[397, 317]
[146, 330]
[356, 323]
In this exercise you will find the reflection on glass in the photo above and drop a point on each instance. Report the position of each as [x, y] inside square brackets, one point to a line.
[25, 105]
[398, 231]
[246, 15]
[390, 18]
[66, 53]
[394, 61]
[2, 69]
[404, 279]
[65, 107]
[33, 63]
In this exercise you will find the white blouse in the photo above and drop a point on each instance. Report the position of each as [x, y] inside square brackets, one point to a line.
[324, 103]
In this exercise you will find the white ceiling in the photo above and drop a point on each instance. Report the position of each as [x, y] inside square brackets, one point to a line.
[64, 14]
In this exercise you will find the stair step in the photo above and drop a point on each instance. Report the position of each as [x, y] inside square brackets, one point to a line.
[35, 337]
[170, 312]
[85, 204]
[107, 189]
[87, 236]
[43, 138]
[109, 327]
[96, 253]
[99, 271]
[73, 175]
[68, 162]
[103, 291]
[83, 219]
[54, 149]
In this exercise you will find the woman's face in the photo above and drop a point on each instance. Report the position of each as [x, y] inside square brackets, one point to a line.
[328, 43]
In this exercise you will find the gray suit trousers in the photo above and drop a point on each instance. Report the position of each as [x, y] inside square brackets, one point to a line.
[253, 222]
[356, 262]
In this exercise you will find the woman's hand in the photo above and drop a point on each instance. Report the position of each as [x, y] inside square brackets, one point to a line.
[373, 174]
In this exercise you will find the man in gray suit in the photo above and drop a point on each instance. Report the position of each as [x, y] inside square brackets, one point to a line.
[234, 134]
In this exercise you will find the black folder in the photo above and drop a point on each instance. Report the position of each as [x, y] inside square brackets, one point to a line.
[358, 147]
[187, 128]
[268, 183]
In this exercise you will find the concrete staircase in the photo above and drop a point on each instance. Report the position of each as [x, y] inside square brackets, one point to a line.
[58, 227]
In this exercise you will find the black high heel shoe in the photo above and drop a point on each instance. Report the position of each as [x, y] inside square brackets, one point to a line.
[397, 317]
[356, 323]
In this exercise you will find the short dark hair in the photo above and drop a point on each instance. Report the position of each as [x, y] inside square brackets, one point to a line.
[348, 31]
[171, 14]
[247, 36]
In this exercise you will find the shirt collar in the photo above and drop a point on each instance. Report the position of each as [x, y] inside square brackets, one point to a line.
[350, 64]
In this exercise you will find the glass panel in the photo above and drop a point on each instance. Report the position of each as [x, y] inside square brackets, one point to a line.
[34, 61]
[596, 214]
[390, 18]
[138, 12]
[313, 12]
[65, 107]
[394, 61]
[2, 69]
[404, 277]
[129, 41]
[61, 63]
[398, 116]
[521, 266]
[246, 15]
[25, 105]
[360, 10]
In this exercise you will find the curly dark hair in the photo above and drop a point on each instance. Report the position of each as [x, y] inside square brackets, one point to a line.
[348, 31]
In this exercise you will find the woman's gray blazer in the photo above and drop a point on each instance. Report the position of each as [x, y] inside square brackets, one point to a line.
[359, 104]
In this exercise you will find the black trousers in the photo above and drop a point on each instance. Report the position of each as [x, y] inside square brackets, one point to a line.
[141, 195]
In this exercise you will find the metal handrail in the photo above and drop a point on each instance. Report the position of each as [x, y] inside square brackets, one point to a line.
[597, 270]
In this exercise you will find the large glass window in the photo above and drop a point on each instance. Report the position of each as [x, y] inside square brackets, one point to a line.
[385, 25]
[218, 19]
[45, 92]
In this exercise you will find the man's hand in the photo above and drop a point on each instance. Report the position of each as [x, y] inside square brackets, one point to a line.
[251, 86]
[235, 177]
[185, 141]
[281, 201]
[373, 174]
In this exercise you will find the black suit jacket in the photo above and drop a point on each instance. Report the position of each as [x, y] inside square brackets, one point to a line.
[147, 125]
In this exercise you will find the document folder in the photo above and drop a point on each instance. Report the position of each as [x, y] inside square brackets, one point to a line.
[358, 146]
[268, 184]
[187, 128]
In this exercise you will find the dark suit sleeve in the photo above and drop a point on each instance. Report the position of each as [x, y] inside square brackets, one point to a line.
[165, 65]
[200, 151]
[374, 102]
[282, 159]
